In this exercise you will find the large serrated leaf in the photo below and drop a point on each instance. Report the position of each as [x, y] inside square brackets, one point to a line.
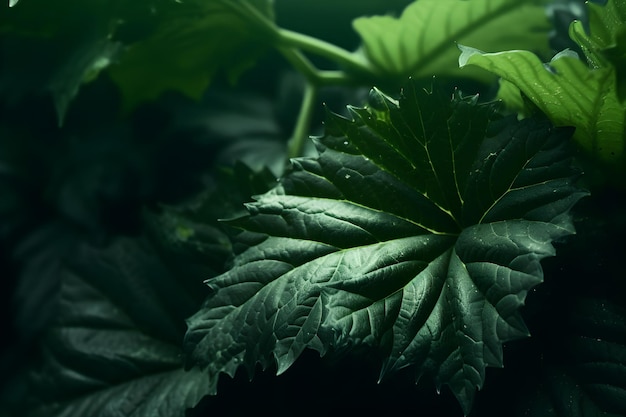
[420, 42]
[417, 230]
[115, 346]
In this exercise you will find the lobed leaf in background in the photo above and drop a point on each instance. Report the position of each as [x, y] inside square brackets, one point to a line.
[418, 230]
[115, 346]
[570, 92]
[587, 378]
[419, 42]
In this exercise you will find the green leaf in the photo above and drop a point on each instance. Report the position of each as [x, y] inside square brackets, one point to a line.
[418, 230]
[115, 346]
[420, 43]
[191, 42]
[569, 93]
[607, 25]
[605, 44]
[147, 47]
[590, 380]
[57, 51]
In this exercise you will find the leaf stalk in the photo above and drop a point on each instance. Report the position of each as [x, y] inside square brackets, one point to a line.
[303, 123]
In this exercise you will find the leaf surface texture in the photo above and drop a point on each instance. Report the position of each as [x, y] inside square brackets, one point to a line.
[420, 43]
[418, 230]
[115, 346]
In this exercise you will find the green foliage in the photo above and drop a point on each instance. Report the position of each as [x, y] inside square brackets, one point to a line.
[418, 230]
[418, 42]
[115, 342]
[406, 240]
[147, 48]
[571, 92]
[596, 355]
[190, 42]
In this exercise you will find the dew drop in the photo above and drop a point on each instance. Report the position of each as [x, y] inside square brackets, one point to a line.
[345, 142]
[347, 176]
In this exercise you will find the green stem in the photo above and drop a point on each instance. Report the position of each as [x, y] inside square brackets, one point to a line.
[291, 45]
[300, 41]
[301, 130]
[315, 76]
[325, 49]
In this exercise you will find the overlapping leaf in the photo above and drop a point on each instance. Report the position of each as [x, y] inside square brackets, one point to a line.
[191, 42]
[57, 50]
[606, 40]
[148, 46]
[569, 91]
[418, 230]
[420, 42]
[115, 347]
[590, 378]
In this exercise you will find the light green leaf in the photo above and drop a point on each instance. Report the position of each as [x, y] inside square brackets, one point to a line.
[569, 93]
[115, 346]
[418, 231]
[605, 44]
[420, 43]
[607, 25]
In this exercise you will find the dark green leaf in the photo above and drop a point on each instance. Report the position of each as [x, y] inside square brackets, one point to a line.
[191, 42]
[417, 230]
[592, 379]
[115, 347]
[56, 51]
[148, 47]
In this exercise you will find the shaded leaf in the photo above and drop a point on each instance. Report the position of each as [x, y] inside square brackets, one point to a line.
[591, 380]
[57, 51]
[420, 42]
[147, 47]
[417, 230]
[190, 43]
[115, 347]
